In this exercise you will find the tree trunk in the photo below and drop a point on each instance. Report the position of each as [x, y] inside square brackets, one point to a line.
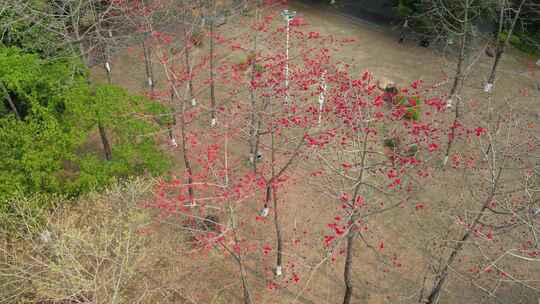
[451, 138]
[187, 163]
[351, 233]
[190, 79]
[458, 78]
[458, 81]
[245, 287]
[498, 55]
[105, 141]
[147, 51]
[348, 267]
[173, 118]
[253, 120]
[107, 64]
[238, 258]
[501, 45]
[279, 239]
[10, 101]
[212, 87]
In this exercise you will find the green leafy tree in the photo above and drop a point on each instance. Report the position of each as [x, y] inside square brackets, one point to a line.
[49, 117]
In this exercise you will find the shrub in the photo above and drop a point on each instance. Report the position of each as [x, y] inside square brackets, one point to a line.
[412, 107]
[391, 143]
[197, 37]
[57, 262]
[259, 68]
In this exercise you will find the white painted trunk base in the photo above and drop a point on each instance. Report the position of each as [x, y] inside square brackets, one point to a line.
[488, 87]
[279, 271]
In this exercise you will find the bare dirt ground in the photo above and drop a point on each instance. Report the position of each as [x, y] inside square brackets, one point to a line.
[213, 279]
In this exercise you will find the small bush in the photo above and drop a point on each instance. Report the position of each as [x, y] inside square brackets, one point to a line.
[514, 40]
[197, 37]
[85, 252]
[412, 107]
[391, 143]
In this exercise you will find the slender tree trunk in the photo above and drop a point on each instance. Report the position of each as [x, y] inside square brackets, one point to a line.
[107, 64]
[498, 55]
[279, 238]
[458, 80]
[245, 287]
[347, 278]
[253, 121]
[451, 138]
[147, 51]
[103, 43]
[351, 233]
[212, 86]
[277, 226]
[187, 162]
[9, 100]
[105, 141]
[76, 32]
[173, 118]
[190, 75]
[501, 45]
[239, 260]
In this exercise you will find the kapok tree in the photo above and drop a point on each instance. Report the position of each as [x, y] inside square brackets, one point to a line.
[211, 218]
[493, 242]
[280, 119]
[370, 155]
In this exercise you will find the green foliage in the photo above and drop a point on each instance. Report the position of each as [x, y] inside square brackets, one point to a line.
[412, 106]
[259, 68]
[525, 42]
[514, 40]
[390, 143]
[414, 10]
[413, 113]
[31, 153]
[53, 148]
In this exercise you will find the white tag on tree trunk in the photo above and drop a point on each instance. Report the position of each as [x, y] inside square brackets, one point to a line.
[213, 122]
[449, 103]
[108, 67]
[488, 87]
[265, 211]
[193, 101]
[279, 271]
[173, 142]
[150, 82]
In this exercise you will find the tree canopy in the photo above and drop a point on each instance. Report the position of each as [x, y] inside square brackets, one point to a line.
[50, 113]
